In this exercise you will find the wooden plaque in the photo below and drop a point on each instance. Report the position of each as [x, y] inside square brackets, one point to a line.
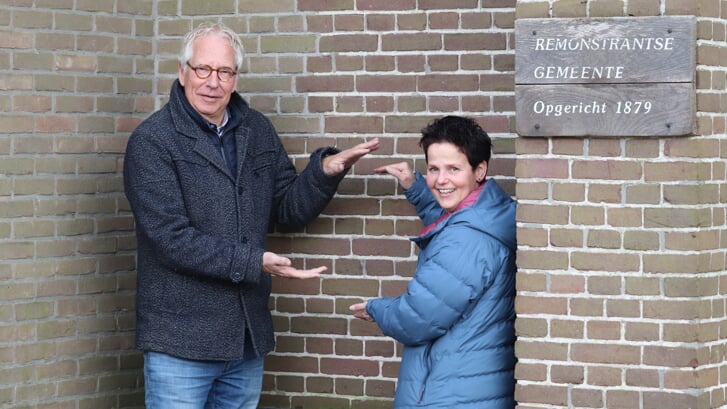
[605, 110]
[620, 76]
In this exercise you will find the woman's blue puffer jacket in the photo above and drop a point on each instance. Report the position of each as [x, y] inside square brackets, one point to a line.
[456, 319]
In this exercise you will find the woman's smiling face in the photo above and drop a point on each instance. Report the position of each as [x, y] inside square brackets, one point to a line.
[450, 176]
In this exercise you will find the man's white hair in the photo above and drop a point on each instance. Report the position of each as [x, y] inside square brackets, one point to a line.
[206, 29]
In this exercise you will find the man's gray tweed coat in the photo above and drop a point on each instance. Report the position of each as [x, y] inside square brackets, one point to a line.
[201, 231]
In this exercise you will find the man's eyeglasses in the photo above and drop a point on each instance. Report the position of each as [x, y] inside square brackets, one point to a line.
[202, 72]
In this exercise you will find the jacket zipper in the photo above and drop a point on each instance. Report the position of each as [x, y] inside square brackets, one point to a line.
[429, 369]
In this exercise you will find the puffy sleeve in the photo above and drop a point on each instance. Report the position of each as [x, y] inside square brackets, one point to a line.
[453, 276]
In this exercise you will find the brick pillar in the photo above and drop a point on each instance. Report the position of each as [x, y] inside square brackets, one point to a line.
[621, 284]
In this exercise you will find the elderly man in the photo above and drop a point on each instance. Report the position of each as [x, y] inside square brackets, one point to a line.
[205, 176]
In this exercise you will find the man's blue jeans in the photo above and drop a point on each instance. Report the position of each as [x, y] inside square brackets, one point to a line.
[172, 382]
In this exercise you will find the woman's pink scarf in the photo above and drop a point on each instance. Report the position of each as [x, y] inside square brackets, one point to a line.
[468, 201]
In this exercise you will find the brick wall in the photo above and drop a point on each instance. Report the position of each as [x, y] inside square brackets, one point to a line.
[75, 78]
[621, 284]
[339, 72]
[78, 76]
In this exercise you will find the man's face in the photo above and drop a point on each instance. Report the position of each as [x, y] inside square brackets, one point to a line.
[209, 96]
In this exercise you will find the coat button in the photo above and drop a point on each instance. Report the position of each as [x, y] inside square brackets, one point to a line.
[240, 190]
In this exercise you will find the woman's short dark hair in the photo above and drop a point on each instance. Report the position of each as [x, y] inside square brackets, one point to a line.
[462, 132]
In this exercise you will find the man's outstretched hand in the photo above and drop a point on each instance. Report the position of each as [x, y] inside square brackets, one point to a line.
[276, 265]
[335, 164]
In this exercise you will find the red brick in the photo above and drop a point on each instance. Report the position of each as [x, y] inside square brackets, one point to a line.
[377, 5]
[410, 42]
[606, 354]
[354, 367]
[324, 84]
[478, 41]
[325, 5]
[450, 83]
[358, 124]
[383, 83]
[348, 42]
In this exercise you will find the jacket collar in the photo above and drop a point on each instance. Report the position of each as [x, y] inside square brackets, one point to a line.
[188, 122]
[236, 109]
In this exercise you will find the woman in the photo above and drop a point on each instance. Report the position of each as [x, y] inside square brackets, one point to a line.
[456, 319]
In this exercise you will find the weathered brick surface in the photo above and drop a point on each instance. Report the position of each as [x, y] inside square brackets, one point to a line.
[639, 233]
[67, 266]
[621, 285]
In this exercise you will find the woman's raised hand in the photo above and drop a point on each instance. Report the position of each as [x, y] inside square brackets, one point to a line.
[401, 171]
